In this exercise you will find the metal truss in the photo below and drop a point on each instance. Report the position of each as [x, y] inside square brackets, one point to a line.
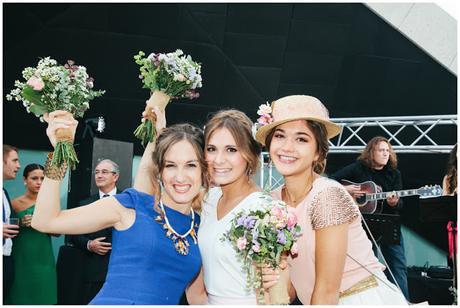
[412, 134]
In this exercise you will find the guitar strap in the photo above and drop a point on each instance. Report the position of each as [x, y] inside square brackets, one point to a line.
[398, 288]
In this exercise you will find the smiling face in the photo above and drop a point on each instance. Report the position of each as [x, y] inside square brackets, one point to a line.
[34, 180]
[293, 148]
[105, 176]
[181, 175]
[226, 163]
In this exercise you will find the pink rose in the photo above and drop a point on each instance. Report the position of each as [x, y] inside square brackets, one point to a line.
[256, 247]
[294, 249]
[241, 243]
[36, 83]
[278, 212]
[264, 119]
[291, 220]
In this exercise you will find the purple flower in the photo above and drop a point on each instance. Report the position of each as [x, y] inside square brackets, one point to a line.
[255, 235]
[281, 238]
[240, 220]
[249, 222]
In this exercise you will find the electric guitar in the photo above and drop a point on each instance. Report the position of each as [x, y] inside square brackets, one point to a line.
[367, 203]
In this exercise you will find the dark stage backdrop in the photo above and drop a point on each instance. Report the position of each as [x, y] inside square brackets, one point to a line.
[344, 54]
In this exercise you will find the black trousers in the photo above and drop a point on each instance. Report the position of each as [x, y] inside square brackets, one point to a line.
[90, 290]
[8, 275]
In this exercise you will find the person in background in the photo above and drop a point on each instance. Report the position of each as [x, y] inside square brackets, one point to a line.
[35, 281]
[335, 262]
[97, 245]
[378, 163]
[449, 188]
[11, 166]
[449, 182]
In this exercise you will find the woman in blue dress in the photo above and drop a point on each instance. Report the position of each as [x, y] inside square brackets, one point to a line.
[155, 257]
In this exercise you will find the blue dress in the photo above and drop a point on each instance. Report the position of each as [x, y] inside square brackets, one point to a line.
[144, 266]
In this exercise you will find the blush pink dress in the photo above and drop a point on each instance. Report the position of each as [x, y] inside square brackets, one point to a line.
[329, 204]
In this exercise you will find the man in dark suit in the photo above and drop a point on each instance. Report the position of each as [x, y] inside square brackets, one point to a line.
[10, 168]
[97, 245]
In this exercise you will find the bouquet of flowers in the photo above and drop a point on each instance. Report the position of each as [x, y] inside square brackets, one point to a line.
[168, 76]
[49, 87]
[261, 237]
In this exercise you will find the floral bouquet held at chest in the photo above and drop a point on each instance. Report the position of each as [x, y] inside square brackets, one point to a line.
[263, 236]
[50, 87]
[168, 76]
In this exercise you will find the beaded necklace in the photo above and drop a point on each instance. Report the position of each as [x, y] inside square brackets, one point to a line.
[180, 241]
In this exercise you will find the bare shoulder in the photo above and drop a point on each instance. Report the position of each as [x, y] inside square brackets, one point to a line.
[21, 203]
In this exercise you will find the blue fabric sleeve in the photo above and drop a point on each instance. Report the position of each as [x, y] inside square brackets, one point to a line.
[128, 198]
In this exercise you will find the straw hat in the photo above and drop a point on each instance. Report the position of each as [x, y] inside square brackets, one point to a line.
[298, 107]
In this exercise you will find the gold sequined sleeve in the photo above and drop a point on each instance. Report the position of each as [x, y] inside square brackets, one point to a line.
[332, 206]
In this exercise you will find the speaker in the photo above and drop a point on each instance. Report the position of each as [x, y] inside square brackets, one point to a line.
[422, 287]
[90, 151]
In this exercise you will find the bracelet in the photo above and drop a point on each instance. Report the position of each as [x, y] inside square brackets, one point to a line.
[54, 172]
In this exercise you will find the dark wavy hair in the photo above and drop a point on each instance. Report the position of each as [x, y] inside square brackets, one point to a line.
[31, 167]
[320, 134]
[451, 172]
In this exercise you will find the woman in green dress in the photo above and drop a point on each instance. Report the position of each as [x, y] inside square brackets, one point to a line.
[35, 270]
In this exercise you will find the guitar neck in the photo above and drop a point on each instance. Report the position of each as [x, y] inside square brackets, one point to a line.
[385, 195]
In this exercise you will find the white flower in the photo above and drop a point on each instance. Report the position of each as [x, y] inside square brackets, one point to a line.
[179, 77]
[264, 109]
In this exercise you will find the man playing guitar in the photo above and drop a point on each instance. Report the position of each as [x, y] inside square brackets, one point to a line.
[378, 163]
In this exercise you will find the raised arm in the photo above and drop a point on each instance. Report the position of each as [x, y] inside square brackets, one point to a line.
[145, 179]
[48, 216]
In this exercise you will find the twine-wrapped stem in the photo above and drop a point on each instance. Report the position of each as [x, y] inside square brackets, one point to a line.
[64, 151]
[146, 131]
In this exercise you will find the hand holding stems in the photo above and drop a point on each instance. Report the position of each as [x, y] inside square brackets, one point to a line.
[10, 231]
[271, 276]
[145, 180]
[59, 119]
[61, 131]
[160, 118]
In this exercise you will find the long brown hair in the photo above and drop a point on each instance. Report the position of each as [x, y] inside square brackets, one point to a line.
[169, 137]
[451, 174]
[320, 134]
[367, 156]
[240, 126]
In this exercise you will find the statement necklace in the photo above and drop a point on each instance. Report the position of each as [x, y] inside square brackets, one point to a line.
[180, 240]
